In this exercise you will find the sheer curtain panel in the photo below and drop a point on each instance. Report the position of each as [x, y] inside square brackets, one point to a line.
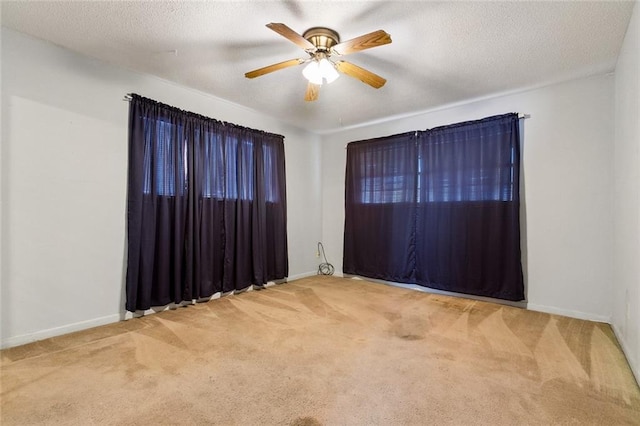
[444, 214]
[206, 208]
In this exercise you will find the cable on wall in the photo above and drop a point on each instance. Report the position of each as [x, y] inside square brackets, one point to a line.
[324, 268]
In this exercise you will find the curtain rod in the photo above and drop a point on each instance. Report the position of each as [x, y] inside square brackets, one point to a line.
[129, 97]
[521, 115]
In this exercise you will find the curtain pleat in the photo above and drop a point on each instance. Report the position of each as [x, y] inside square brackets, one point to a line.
[206, 212]
[438, 208]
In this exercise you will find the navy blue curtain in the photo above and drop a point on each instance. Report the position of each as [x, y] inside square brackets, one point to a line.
[381, 183]
[439, 208]
[206, 208]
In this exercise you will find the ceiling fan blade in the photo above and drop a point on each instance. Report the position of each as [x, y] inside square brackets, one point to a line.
[361, 74]
[312, 92]
[367, 41]
[274, 67]
[292, 36]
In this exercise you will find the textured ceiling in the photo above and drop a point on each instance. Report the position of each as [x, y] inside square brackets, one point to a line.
[442, 52]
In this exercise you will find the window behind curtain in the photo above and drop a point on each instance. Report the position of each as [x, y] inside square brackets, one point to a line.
[206, 206]
[271, 178]
[165, 156]
[438, 208]
[166, 144]
[213, 159]
[384, 170]
[457, 164]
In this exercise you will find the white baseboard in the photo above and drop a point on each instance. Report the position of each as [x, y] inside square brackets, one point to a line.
[57, 331]
[70, 328]
[83, 325]
[524, 305]
[635, 369]
[300, 276]
[569, 313]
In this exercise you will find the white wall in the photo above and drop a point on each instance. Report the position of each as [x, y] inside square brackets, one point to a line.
[626, 249]
[567, 172]
[64, 166]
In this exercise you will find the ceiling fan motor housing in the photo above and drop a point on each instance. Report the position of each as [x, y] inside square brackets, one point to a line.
[322, 38]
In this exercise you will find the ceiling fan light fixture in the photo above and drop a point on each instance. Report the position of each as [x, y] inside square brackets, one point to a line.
[328, 70]
[312, 73]
[320, 71]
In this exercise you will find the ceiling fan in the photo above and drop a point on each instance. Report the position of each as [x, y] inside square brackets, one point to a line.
[323, 45]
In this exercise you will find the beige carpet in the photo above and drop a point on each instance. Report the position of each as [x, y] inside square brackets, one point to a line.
[326, 350]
